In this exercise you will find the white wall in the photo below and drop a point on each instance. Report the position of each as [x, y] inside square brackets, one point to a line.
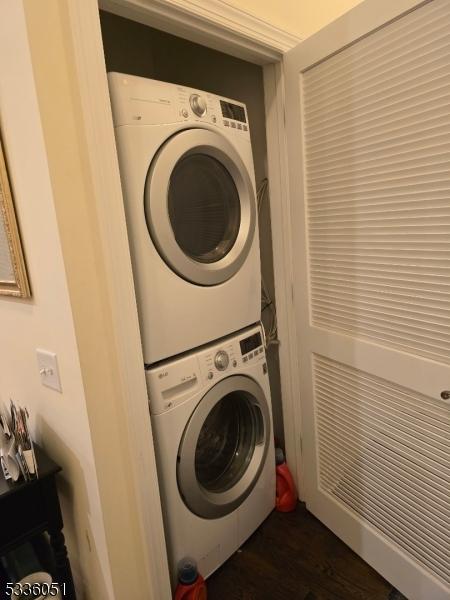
[60, 420]
[300, 17]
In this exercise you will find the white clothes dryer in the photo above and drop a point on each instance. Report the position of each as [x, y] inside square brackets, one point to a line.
[212, 424]
[188, 181]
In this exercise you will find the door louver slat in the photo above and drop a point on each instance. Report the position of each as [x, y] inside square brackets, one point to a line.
[377, 153]
[405, 31]
[384, 452]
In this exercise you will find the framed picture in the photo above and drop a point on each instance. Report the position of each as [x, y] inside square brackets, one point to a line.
[13, 274]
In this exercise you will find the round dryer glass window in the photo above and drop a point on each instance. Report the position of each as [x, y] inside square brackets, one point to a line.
[227, 442]
[200, 206]
[204, 207]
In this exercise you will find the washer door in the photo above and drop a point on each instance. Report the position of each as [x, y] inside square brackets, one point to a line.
[200, 206]
[224, 447]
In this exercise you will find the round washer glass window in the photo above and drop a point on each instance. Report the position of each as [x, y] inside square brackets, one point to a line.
[204, 207]
[226, 442]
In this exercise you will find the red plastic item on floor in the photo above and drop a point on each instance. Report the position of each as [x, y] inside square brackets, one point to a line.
[191, 585]
[286, 494]
[194, 591]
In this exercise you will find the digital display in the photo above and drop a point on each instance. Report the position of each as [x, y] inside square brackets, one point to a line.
[233, 111]
[250, 343]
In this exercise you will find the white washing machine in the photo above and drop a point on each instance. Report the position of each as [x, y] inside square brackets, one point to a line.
[188, 182]
[212, 424]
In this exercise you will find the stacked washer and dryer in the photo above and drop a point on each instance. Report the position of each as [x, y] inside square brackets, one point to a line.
[188, 181]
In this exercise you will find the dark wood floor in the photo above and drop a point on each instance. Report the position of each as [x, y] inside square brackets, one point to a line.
[293, 556]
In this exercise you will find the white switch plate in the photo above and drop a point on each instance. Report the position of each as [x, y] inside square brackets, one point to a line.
[48, 369]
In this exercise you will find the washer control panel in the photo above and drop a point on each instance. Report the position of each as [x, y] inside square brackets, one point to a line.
[228, 356]
[219, 360]
[172, 382]
[251, 344]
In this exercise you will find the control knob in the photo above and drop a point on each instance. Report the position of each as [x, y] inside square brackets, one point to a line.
[221, 360]
[198, 104]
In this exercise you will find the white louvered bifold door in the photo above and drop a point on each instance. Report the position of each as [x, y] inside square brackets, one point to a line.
[368, 131]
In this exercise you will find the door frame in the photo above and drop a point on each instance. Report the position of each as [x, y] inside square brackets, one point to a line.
[218, 25]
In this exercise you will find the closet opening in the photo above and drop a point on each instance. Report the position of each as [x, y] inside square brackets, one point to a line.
[136, 49]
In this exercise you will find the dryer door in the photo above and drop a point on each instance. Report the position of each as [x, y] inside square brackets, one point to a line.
[200, 206]
[224, 447]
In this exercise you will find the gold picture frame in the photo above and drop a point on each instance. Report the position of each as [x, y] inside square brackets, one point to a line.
[13, 272]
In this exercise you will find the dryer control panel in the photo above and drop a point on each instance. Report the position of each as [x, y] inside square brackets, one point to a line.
[172, 382]
[140, 101]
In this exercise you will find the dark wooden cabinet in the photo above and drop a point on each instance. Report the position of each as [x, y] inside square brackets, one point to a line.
[31, 508]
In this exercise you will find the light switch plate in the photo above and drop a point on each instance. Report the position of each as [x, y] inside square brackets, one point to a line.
[48, 369]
